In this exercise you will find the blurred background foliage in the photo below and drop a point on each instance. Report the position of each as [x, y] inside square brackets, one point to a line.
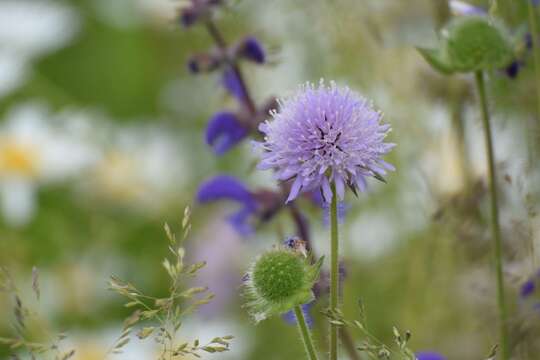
[107, 80]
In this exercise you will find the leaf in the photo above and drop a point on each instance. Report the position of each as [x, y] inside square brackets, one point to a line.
[145, 332]
[437, 59]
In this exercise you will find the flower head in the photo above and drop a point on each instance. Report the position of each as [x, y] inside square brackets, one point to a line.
[322, 135]
[278, 281]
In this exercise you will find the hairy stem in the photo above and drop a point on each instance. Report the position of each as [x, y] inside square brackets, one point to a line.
[495, 227]
[334, 272]
[222, 45]
[304, 333]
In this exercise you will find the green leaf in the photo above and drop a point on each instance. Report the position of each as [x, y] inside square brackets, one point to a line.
[437, 58]
[474, 43]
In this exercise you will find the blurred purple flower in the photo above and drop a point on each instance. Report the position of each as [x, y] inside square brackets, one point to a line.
[224, 187]
[463, 8]
[527, 288]
[322, 135]
[233, 85]
[224, 130]
[429, 355]
[204, 62]
[196, 10]
[290, 318]
[512, 70]
[251, 49]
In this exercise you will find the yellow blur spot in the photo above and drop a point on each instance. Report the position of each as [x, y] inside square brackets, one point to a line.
[117, 176]
[18, 159]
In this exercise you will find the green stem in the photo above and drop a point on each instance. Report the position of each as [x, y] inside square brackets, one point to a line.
[304, 332]
[334, 272]
[536, 50]
[495, 227]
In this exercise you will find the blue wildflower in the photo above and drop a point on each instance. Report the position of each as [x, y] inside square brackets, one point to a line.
[429, 355]
[224, 187]
[224, 130]
[251, 49]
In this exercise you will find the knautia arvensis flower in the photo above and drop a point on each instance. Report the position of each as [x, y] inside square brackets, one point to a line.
[325, 134]
[277, 281]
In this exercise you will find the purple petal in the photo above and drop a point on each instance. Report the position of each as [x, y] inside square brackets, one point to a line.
[224, 131]
[527, 288]
[512, 70]
[429, 355]
[340, 187]
[290, 318]
[252, 50]
[240, 221]
[326, 190]
[295, 189]
[188, 16]
[232, 83]
[462, 8]
[224, 187]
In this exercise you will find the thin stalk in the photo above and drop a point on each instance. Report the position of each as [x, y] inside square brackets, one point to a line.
[533, 25]
[334, 272]
[222, 45]
[495, 227]
[304, 333]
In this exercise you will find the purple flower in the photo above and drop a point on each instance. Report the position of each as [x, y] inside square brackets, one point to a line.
[224, 130]
[196, 10]
[429, 355]
[250, 49]
[462, 8]
[322, 135]
[204, 62]
[224, 187]
[527, 288]
[290, 318]
[512, 70]
[232, 83]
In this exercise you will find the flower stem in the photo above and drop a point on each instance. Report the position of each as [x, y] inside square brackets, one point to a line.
[495, 227]
[304, 333]
[334, 272]
[533, 25]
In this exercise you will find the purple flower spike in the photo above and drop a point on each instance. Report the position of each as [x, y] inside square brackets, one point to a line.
[325, 135]
[290, 318]
[429, 355]
[232, 83]
[251, 49]
[224, 130]
[225, 187]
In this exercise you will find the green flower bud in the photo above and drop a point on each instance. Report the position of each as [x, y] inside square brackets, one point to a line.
[279, 280]
[474, 43]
